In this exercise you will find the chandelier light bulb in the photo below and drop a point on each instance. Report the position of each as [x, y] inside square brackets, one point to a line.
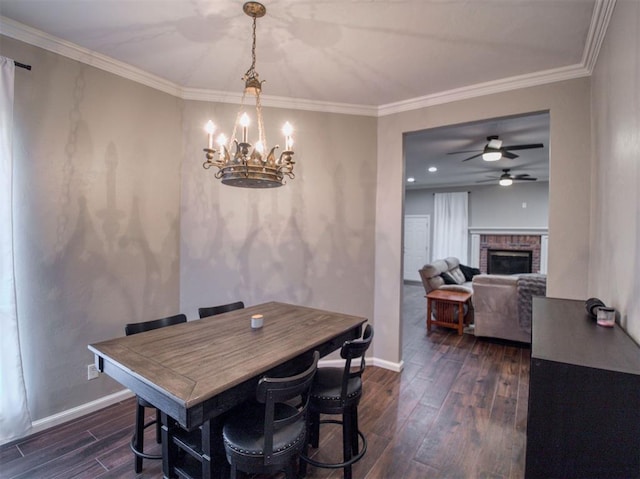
[259, 147]
[244, 123]
[287, 130]
[210, 128]
[222, 140]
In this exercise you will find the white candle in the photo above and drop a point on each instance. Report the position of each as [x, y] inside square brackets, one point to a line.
[257, 321]
[210, 128]
[287, 129]
[222, 141]
[244, 122]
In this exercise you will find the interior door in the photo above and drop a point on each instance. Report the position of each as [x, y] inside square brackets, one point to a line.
[417, 231]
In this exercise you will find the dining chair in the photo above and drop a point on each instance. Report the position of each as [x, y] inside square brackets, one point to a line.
[267, 436]
[223, 308]
[338, 391]
[137, 441]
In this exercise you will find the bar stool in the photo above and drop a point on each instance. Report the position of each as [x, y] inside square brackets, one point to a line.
[137, 441]
[338, 391]
[267, 436]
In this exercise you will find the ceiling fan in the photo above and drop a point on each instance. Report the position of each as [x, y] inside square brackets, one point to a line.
[494, 150]
[506, 178]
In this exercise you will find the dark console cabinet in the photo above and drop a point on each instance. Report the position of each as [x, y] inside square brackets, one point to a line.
[584, 396]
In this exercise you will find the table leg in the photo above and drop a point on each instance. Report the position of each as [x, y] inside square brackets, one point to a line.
[169, 449]
[428, 315]
[460, 318]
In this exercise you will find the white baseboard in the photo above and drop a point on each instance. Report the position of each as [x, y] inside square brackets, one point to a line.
[84, 409]
[381, 363]
[79, 411]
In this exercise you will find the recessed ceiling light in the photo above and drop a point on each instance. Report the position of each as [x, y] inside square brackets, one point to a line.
[411, 179]
[432, 169]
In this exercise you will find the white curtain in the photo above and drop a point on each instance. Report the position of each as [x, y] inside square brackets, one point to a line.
[450, 226]
[15, 420]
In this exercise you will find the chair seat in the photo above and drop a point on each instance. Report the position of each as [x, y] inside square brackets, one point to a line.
[244, 433]
[327, 386]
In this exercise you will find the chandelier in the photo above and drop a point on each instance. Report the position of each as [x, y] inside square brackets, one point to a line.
[250, 166]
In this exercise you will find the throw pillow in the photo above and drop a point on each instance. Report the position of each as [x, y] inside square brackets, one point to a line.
[469, 272]
[448, 279]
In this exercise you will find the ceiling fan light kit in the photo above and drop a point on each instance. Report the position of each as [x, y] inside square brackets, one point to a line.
[491, 155]
[494, 151]
[507, 179]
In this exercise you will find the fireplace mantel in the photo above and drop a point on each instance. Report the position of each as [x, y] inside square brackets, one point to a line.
[500, 230]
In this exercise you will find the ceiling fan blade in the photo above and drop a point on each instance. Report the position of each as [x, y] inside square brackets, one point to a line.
[472, 157]
[508, 154]
[523, 147]
[524, 179]
[463, 151]
[521, 175]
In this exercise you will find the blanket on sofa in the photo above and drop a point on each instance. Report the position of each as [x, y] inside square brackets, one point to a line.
[529, 285]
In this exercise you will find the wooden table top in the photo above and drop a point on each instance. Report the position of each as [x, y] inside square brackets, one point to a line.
[449, 295]
[194, 361]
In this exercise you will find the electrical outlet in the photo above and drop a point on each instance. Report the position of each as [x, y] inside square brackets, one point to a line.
[92, 372]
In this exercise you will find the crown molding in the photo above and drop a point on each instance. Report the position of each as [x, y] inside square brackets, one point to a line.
[37, 38]
[602, 11]
[601, 16]
[281, 102]
[487, 88]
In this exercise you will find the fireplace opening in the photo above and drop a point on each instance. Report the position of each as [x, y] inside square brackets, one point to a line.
[509, 261]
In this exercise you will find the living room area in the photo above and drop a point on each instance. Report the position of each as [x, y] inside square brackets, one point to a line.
[477, 202]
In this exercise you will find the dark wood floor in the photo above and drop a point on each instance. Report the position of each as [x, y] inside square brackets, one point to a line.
[458, 410]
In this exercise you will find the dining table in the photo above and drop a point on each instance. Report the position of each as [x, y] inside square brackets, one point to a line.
[196, 371]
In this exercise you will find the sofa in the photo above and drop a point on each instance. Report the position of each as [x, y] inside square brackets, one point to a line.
[502, 304]
[446, 274]
[449, 274]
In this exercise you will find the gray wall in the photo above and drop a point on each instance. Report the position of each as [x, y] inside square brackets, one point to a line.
[308, 242]
[614, 274]
[97, 162]
[491, 206]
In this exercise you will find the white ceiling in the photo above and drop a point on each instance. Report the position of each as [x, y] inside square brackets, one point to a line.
[369, 53]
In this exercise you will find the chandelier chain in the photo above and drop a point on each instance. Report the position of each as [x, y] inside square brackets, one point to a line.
[252, 69]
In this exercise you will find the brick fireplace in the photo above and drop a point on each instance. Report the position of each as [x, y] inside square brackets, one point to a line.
[508, 240]
[524, 243]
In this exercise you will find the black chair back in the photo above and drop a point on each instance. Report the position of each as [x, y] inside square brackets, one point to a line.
[271, 391]
[137, 441]
[353, 350]
[135, 328]
[224, 308]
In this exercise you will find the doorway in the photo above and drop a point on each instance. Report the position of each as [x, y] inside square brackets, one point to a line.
[417, 245]
[450, 158]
